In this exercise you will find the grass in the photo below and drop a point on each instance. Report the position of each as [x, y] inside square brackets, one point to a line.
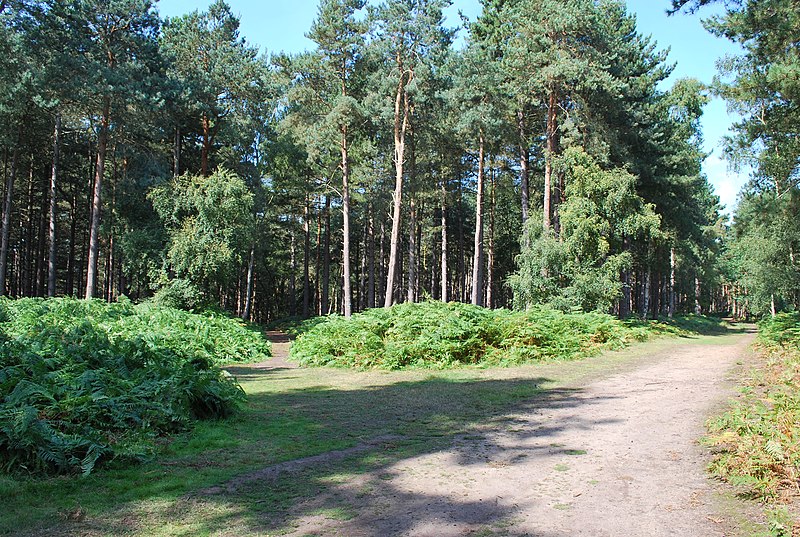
[291, 414]
[757, 440]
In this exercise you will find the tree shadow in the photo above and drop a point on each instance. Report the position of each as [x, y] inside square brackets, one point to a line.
[351, 489]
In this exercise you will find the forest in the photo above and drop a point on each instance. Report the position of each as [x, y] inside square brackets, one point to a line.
[361, 289]
[538, 159]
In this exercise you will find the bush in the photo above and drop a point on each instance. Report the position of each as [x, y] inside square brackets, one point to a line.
[757, 441]
[180, 294]
[86, 381]
[438, 335]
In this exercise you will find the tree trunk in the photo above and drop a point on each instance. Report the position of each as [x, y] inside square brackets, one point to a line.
[412, 252]
[524, 158]
[672, 267]
[646, 294]
[6, 229]
[346, 290]
[490, 264]
[371, 257]
[444, 240]
[306, 262]
[550, 152]
[697, 308]
[248, 299]
[51, 257]
[401, 120]
[293, 278]
[94, 231]
[325, 307]
[477, 258]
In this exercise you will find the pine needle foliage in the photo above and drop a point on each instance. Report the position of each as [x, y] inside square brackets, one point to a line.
[757, 441]
[436, 335]
[83, 382]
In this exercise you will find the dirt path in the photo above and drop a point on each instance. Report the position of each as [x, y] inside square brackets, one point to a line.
[618, 457]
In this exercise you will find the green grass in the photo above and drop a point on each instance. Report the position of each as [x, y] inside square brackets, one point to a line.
[435, 335]
[757, 441]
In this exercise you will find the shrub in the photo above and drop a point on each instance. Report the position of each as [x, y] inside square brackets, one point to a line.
[438, 335]
[757, 441]
[85, 381]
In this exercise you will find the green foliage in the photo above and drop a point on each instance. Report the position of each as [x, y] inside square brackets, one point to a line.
[181, 294]
[440, 335]
[210, 223]
[758, 439]
[581, 268]
[86, 381]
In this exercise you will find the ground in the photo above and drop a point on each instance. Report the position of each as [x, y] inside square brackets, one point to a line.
[604, 446]
[618, 456]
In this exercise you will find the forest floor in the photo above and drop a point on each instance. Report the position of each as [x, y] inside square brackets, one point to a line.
[599, 447]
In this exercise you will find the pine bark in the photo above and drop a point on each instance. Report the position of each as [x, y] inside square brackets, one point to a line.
[401, 121]
[477, 258]
[51, 256]
[7, 203]
[444, 240]
[94, 230]
[551, 133]
[346, 289]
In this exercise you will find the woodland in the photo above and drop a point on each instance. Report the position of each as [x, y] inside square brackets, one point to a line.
[519, 190]
[539, 161]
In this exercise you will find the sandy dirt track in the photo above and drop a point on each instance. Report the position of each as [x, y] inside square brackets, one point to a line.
[617, 457]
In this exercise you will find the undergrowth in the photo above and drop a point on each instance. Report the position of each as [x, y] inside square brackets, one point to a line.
[757, 441]
[437, 335]
[85, 381]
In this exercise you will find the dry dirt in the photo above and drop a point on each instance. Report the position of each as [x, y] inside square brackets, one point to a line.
[617, 457]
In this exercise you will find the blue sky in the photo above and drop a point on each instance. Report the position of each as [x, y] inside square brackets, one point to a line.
[280, 25]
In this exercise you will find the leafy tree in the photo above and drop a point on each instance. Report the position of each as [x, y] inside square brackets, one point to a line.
[210, 222]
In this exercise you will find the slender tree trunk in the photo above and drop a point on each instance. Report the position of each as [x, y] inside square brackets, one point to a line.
[524, 158]
[444, 239]
[293, 278]
[325, 307]
[6, 229]
[490, 265]
[94, 231]
[401, 120]
[477, 259]
[346, 290]
[672, 267]
[248, 299]
[646, 294]
[371, 257]
[382, 258]
[697, 308]
[306, 262]
[51, 257]
[462, 269]
[412, 252]
[550, 152]
[625, 302]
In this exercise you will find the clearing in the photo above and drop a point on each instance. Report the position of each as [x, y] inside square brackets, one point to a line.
[604, 446]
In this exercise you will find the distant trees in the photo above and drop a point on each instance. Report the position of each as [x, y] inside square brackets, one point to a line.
[384, 165]
[763, 86]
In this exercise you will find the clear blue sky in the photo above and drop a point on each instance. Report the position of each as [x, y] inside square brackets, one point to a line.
[280, 25]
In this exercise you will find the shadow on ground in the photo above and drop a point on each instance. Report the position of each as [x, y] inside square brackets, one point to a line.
[371, 430]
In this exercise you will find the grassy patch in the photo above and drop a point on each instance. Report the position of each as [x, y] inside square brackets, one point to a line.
[757, 441]
[434, 335]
